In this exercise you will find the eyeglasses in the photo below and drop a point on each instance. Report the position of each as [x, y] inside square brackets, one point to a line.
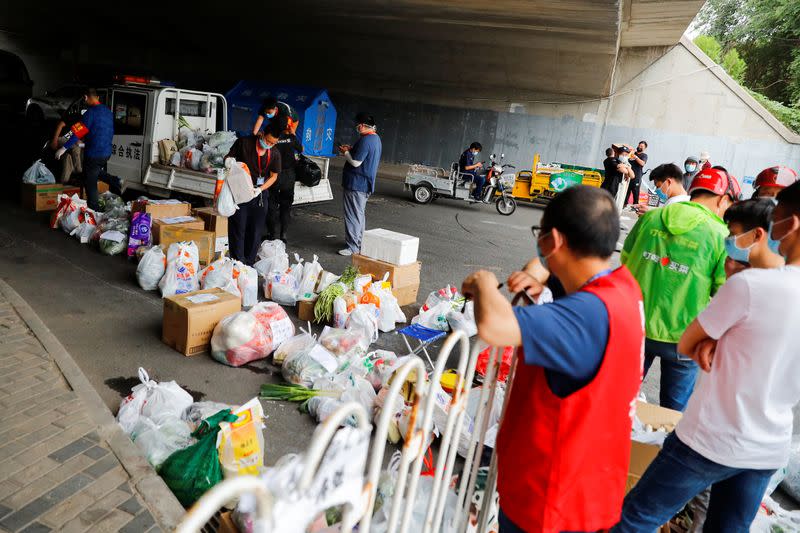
[537, 232]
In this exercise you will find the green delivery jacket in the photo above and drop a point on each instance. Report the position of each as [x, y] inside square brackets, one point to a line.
[677, 254]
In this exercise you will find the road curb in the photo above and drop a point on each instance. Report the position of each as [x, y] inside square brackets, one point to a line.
[163, 504]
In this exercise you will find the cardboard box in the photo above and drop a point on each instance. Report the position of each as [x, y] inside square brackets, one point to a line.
[404, 279]
[172, 222]
[643, 454]
[389, 246]
[305, 310]
[216, 223]
[44, 197]
[189, 319]
[203, 239]
[162, 208]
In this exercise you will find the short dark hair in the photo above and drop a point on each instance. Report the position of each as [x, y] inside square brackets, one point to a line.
[588, 219]
[751, 214]
[91, 92]
[668, 170]
[790, 197]
[644, 143]
[475, 146]
[701, 193]
[609, 152]
[274, 129]
[270, 102]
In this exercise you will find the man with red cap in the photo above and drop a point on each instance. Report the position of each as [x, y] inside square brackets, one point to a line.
[677, 254]
[773, 180]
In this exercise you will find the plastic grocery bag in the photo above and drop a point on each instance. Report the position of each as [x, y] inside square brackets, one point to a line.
[113, 242]
[364, 318]
[181, 273]
[241, 443]
[342, 307]
[276, 323]
[281, 288]
[38, 174]
[190, 472]
[434, 317]
[140, 232]
[152, 399]
[302, 342]
[464, 321]
[447, 294]
[239, 339]
[220, 274]
[390, 311]
[296, 270]
[307, 364]
[344, 343]
[108, 201]
[151, 268]
[310, 277]
[471, 410]
[225, 205]
[73, 217]
[326, 279]
[160, 440]
[240, 183]
[247, 280]
[84, 231]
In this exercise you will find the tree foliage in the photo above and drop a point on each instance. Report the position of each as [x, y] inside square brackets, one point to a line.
[766, 35]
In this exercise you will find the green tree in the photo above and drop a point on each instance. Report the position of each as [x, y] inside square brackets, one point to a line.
[710, 47]
[734, 65]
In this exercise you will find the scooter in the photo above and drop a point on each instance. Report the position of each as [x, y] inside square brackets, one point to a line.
[497, 180]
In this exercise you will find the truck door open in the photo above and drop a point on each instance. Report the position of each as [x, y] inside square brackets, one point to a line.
[128, 148]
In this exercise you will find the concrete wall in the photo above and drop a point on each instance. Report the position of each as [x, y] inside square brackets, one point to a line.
[673, 97]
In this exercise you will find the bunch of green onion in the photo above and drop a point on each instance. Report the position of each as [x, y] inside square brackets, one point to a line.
[323, 309]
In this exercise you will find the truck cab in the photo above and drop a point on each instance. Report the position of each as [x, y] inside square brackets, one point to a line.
[145, 113]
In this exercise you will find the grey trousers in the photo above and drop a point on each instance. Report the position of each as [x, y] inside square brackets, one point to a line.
[355, 205]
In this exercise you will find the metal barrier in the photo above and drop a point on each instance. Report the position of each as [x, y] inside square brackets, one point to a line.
[295, 507]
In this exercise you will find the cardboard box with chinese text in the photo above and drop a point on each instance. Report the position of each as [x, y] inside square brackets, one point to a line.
[182, 222]
[203, 239]
[216, 223]
[189, 319]
[404, 279]
[162, 208]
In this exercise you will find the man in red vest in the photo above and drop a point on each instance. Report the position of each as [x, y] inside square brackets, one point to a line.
[564, 441]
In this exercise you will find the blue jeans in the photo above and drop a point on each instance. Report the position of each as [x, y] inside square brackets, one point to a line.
[94, 170]
[480, 181]
[507, 526]
[678, 373]
[678, 474]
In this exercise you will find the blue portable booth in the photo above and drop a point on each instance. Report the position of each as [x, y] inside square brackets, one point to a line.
[313, 105]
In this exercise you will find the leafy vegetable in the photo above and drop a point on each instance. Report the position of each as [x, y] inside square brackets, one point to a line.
[290, 392]
[183, 123]
[323, 309]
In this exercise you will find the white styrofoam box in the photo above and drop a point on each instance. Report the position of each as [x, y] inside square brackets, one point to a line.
[389, 246]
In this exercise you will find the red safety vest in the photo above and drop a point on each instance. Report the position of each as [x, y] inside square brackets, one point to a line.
[563, 463]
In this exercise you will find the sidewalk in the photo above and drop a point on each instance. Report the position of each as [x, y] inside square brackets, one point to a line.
[64, 462]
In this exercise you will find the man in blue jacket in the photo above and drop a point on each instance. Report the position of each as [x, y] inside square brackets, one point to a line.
[358, 180]
[96, 130]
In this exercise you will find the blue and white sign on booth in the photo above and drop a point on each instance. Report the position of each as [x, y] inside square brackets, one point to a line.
[313, 106]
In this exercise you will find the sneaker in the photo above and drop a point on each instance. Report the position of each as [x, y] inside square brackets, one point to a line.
[345, 252]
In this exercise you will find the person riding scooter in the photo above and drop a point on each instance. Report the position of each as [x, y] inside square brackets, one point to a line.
[467, 165]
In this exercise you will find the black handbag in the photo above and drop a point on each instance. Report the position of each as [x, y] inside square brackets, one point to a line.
[308, 173]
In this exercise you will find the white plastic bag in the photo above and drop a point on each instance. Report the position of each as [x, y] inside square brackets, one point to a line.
[435, 317]
[225, 204]
[272, 257]
[464, 321]
[326, 279]
[220, 274]
[277, 324]
[307, 363]
[340, 311]
[390, 311]
[247, 280]
[310, 277]
[364, 318]
[160, 440]
[239, 339]
[180, 275]
[302, 342]
[281, 288]
[151, 268]
[344, 343]
[153, 400]
[240, 184]
[38, 174]
[87, 225]
[473, 401]
[296, 270]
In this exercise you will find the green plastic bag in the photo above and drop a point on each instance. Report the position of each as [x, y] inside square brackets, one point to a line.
[190, 472]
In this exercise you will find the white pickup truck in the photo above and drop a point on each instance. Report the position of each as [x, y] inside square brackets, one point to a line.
[145, 114]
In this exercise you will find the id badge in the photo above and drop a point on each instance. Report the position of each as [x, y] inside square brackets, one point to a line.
[259, 182]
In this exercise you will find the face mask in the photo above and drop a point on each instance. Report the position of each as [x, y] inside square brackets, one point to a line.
[662, 196]
[475, 154]
[690, 168]
[264, 144]
[542, 257]
[734, 252]
[270, 115]
[774, 244]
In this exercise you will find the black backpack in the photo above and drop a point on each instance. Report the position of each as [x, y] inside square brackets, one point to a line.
[308, 173]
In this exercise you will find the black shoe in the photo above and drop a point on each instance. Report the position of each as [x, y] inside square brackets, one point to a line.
[283, 237]
[270, 237]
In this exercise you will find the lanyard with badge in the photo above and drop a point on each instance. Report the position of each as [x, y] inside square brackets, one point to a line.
[260, 180]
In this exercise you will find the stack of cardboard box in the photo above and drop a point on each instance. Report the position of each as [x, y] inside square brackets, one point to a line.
[384, 251]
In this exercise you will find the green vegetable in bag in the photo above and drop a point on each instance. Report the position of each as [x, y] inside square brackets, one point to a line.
[190, 472]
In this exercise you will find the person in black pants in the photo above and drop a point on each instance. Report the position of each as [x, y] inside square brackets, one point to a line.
[281, 195]
[638, 161]
[263, 160]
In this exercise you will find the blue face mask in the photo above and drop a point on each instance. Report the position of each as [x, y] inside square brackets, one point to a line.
[662, 196]
[269, 115]
[741, 255]
[542, 257]
[774, 244]
[263, 144]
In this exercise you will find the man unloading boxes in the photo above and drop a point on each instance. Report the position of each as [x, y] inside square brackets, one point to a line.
[564, 442]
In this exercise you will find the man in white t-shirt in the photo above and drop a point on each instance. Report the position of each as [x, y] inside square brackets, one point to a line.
[737, 428]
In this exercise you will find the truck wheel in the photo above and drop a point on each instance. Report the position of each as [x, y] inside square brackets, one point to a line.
[505, 205]
[423, 194]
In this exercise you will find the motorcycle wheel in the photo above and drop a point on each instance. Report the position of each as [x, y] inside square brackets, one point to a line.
[506, 205]
[423, 194]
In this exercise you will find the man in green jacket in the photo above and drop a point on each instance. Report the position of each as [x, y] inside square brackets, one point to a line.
[677, 254]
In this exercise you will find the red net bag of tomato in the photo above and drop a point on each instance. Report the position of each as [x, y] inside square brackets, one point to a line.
[239, 339]
[506, 356]
[275, 321]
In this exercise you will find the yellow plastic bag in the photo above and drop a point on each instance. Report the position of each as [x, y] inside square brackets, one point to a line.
[241, 443]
